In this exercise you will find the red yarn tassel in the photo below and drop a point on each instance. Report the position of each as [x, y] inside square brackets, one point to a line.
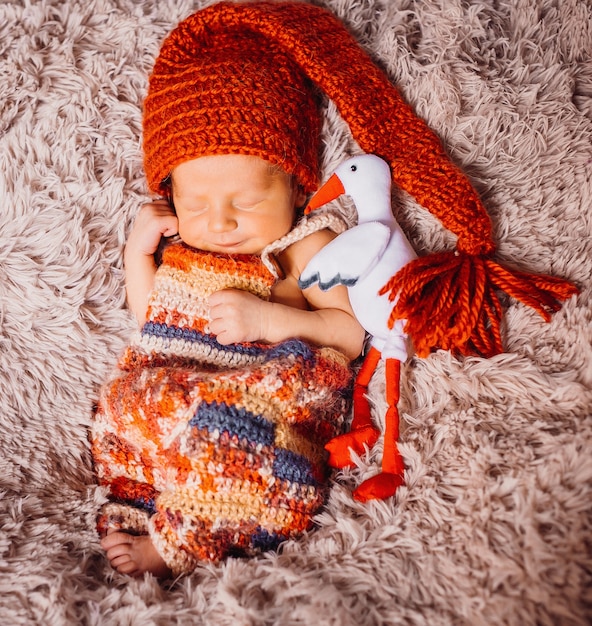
[449, 300]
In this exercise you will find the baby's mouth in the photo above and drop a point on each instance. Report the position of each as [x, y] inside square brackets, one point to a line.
[228, 245]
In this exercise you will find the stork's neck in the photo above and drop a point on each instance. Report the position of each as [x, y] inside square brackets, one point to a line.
[374, 208]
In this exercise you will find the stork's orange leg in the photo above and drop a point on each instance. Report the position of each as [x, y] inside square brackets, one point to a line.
[362, 431]
[386, 483]
[392, 461]
[362, 416]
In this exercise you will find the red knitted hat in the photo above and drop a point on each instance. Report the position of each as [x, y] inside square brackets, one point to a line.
[241, 78]
[220, 87]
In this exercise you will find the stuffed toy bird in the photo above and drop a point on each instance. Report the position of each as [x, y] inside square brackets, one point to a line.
[363, 259]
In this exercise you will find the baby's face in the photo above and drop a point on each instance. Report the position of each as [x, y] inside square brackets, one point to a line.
[233, 203]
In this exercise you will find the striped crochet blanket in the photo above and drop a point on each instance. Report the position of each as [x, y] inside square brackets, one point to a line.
[214, 450]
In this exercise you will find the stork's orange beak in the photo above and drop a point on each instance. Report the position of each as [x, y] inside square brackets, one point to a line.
[332, 189]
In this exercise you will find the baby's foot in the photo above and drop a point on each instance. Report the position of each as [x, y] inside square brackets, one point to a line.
[133, 555]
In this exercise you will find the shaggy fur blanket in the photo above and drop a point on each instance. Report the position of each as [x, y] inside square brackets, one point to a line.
[494, 525]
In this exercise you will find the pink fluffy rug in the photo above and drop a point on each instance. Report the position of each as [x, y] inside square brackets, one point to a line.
[495, 523]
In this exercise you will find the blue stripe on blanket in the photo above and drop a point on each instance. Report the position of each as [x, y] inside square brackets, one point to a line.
[164, 331]
[142, 503]
[255, 429]
[262, 539]
[293, 467]
[290, 347]
[234, 421]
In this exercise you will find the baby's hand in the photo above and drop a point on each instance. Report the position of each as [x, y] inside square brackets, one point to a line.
[154, 220]
[237, 316]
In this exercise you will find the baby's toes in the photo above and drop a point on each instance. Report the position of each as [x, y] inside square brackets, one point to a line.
[130, 568]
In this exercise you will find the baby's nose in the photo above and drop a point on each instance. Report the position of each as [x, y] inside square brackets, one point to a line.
[221, 219]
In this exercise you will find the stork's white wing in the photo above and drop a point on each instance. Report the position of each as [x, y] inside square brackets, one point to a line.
[347, 258]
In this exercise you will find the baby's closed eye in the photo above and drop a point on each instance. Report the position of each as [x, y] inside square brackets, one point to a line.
[196, 209]
[247, 204]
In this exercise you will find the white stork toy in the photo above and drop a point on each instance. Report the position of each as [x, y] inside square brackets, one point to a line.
[364, 258]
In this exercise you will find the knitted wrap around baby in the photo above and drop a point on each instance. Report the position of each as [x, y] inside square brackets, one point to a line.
[214, 450]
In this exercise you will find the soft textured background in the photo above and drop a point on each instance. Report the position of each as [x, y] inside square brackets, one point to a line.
[494, 526]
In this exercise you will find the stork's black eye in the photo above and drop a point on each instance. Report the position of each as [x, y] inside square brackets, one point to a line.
[353, 168]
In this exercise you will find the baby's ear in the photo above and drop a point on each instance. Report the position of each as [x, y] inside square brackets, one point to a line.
[301, 197]
[166, 190]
